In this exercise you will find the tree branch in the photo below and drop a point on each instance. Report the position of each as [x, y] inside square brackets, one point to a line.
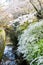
[33, 5]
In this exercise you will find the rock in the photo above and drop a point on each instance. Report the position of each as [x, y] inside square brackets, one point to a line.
[2, 42]
[8, 62]
[17, 26]
[22, 22]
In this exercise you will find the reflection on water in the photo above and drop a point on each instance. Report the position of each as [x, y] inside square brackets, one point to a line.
[9, 57]
[8, 53]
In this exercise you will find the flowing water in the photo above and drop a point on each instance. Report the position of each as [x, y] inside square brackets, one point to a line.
[8, 57]
[11, 58]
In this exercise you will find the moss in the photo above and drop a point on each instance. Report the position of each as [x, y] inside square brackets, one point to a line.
[2, 42]
[22, 27]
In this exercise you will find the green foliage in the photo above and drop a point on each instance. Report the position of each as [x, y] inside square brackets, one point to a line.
[20, 28]
[23, 26]
[31, 43]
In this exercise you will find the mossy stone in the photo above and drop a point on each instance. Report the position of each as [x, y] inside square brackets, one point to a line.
[2, 42]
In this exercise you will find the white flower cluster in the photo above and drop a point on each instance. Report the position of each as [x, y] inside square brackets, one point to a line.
[31, 42]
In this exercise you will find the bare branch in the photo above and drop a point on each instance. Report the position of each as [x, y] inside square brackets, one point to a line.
[33, 5]
[40, 4]
[39, 15]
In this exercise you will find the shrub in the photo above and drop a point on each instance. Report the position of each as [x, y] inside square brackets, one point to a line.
[31, 43]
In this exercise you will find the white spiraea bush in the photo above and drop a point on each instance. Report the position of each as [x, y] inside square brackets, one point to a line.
[31, 43]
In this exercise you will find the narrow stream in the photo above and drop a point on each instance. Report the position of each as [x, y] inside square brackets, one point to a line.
[9, 57]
